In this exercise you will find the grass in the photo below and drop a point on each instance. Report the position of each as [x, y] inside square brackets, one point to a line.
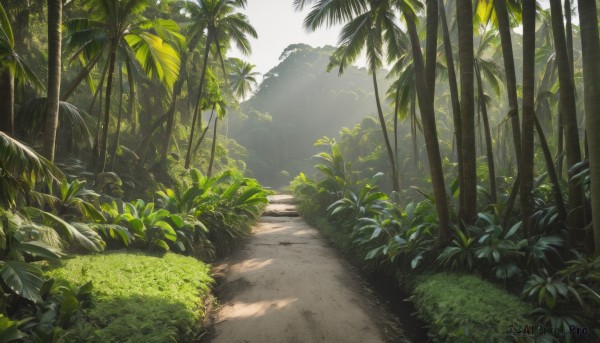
[138, 297]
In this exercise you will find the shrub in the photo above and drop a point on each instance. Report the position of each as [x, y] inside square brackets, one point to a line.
[464, 308]
[139, 298]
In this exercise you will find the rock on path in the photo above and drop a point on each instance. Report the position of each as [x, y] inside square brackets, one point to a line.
[287, 285]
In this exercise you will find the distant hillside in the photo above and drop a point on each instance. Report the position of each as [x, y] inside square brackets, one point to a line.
[297, 103]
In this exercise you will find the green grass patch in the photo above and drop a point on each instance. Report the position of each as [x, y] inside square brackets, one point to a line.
[465, 308]
[139, 298]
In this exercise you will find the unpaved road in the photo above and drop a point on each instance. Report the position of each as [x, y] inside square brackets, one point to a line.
[286, 284]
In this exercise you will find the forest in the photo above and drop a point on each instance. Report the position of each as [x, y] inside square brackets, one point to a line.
[455, 170]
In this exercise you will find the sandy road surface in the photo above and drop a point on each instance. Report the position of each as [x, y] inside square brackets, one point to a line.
[286, 284]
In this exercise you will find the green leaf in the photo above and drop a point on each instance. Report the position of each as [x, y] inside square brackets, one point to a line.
[39, 249]
[7, 33]
[23, 278]
[167, 230]
[9, 329]
[376, 233]
[177, 221]
[414, 263]
[161, 244]
[68, 307]
[373, 253]
[513, 230]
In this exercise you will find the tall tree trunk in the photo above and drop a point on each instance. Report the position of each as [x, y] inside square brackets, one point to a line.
[560, 143]
[54, 72]
[430, 133]
[488, 138]
[171, 111]
[509, 69]
[386, 137]
[453, 95]
[212, 149]
[82, 75]
[119, 115]
[205, 130]
[396, 114]
[7, 105]
[431, 44]
[188, 156]
[567, 104]
[569, 37]
[528, 113]
[464, 17]
[413, 128]
[109, 81]
[554, 179]
[588, 19]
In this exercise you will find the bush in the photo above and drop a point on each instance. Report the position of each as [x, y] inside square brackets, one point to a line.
[139, 298]
[464, 308]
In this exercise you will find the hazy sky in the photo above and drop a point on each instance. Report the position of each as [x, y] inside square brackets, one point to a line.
[279, 25]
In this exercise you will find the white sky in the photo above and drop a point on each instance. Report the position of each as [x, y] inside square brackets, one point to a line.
[279, 25]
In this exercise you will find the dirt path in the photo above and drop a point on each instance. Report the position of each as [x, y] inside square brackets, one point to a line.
[287, 284]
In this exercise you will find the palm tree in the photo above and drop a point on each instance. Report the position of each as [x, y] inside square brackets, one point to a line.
[12, 67]
[453, 91]
[569, 116]
[242, 77]
[429, 126]
[431, 41]
[526, 164]
[367, 32]
[54, 73]
[464, 17]
[590, 43]
[118, 29]
[220, 108]
[218, 21]
[500, 6]
[489, 69]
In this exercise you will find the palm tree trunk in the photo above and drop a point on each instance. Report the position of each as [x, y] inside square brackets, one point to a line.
[588, 19]
[82, 75]
[120, 113]
[431, 44]
[464, 16]
[396, 114]
[430, 133]
[205, 130]
[560, 142]
[386, 137]
[171, 112]
[569, 37]
[528, 113]
[488, 139]
[509, 69]
[109, 81]
[413, 129]
[453, 94]
[554, 179]
[188, 156]
[7, 105]
[212, 149]
[54, 72]
[567, 104]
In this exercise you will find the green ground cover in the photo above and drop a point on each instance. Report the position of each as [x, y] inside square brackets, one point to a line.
[139, 297]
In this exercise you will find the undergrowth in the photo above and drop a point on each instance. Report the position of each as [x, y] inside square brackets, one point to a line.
[139, 297]
[464, 308]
